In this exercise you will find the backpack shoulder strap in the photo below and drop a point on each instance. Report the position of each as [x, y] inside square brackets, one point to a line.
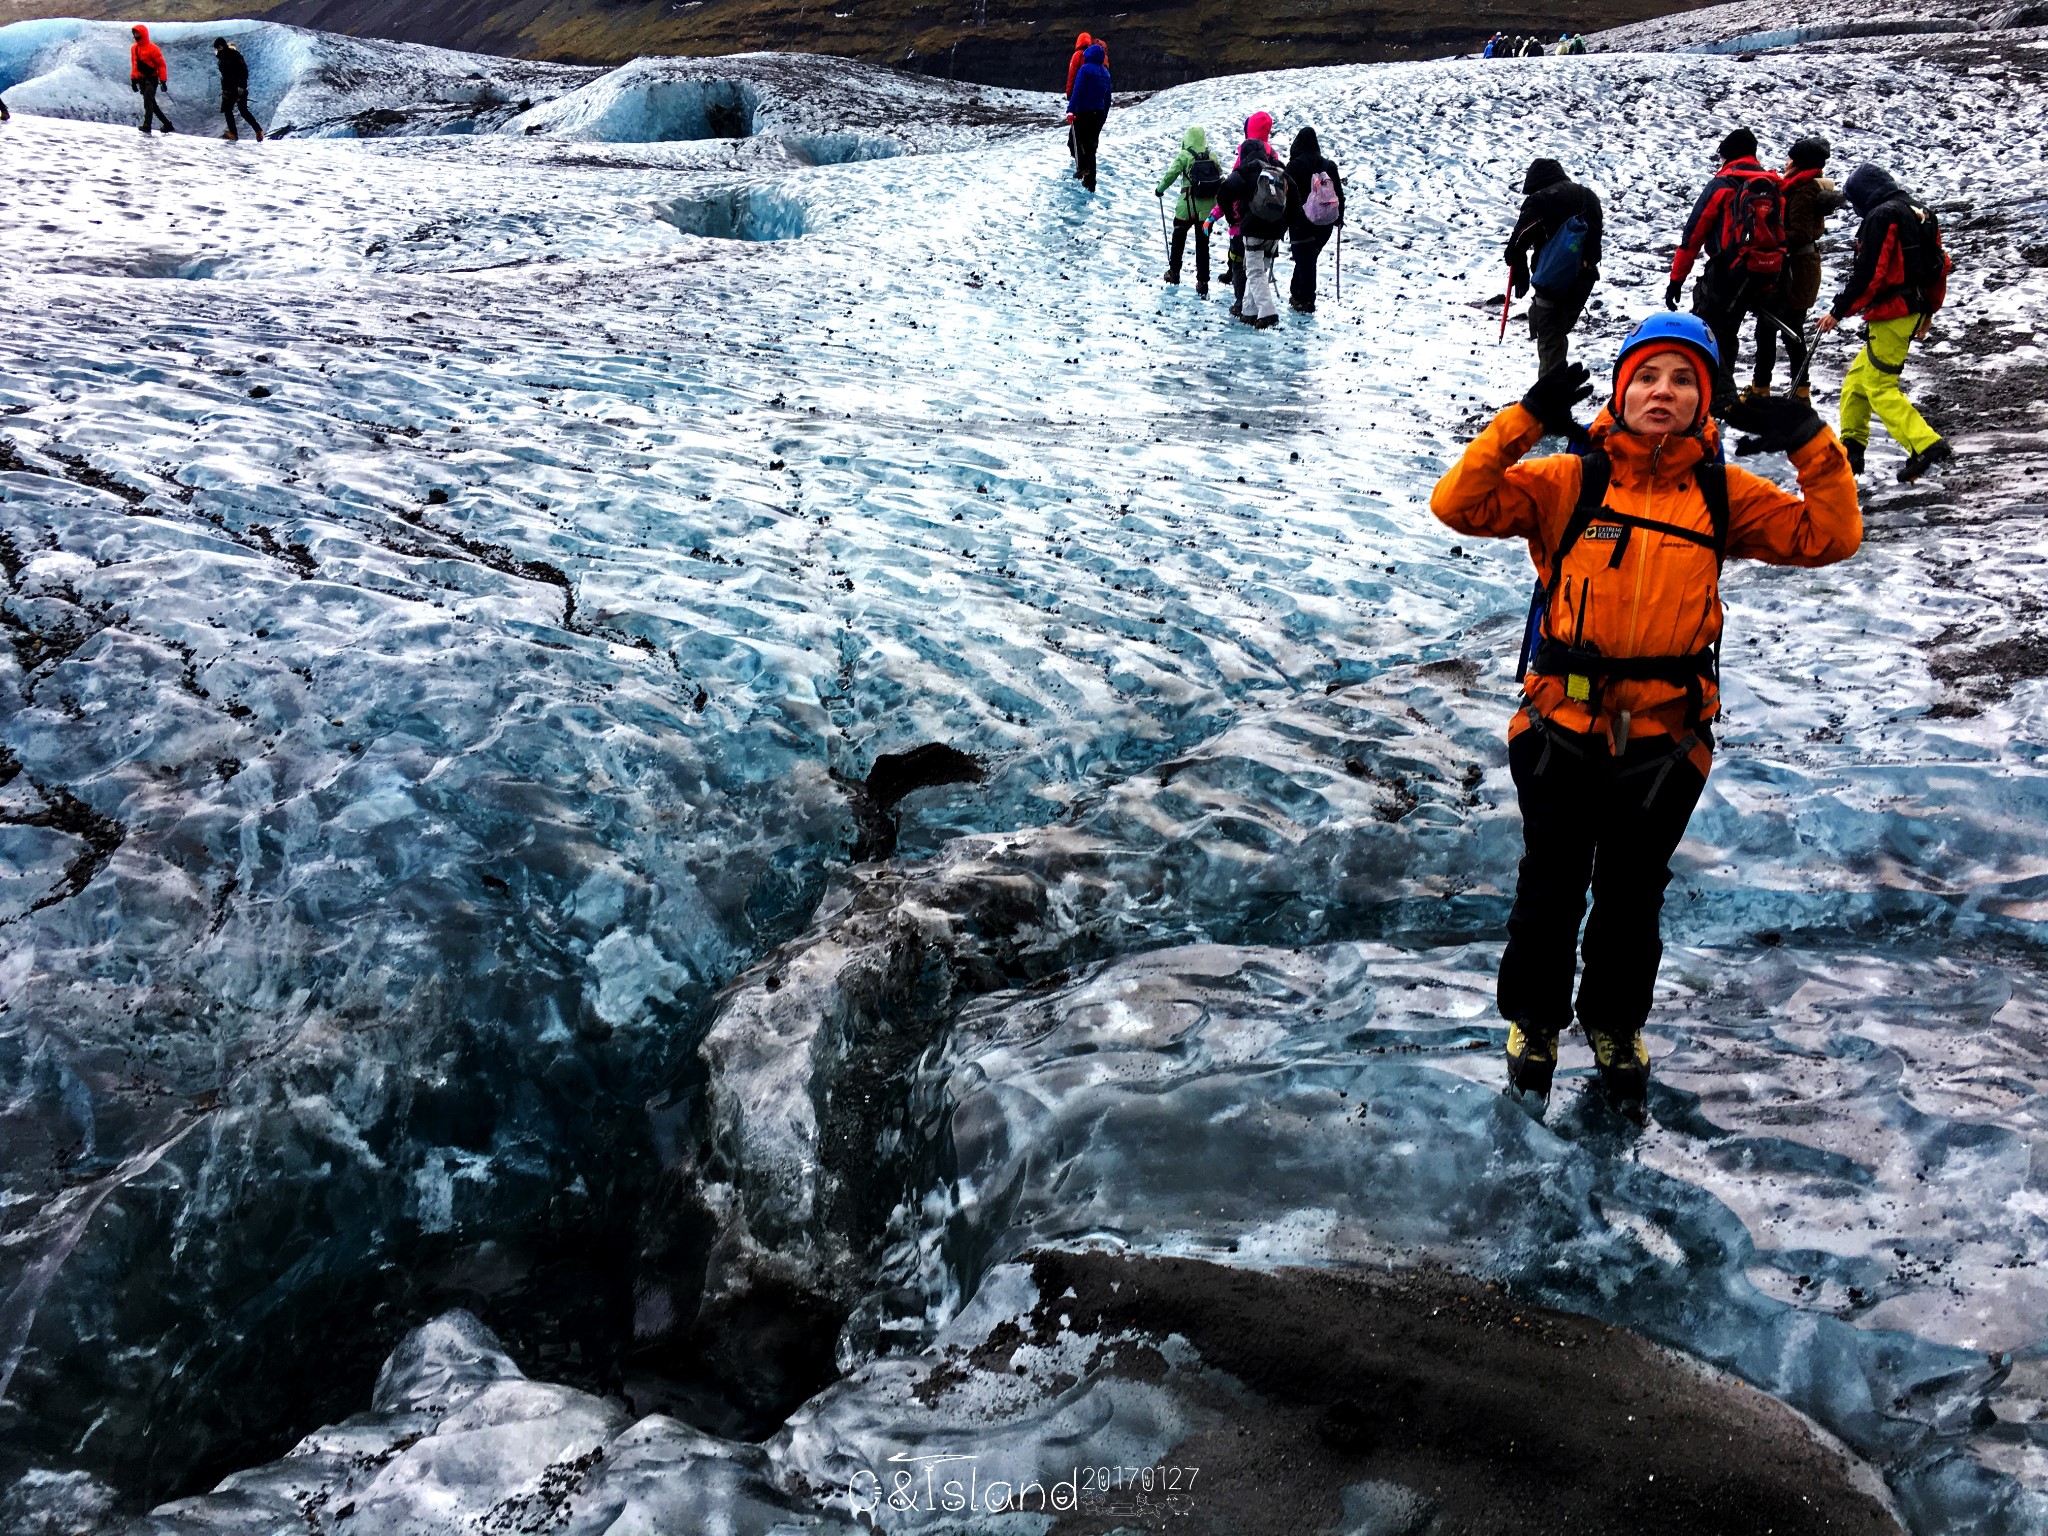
[1713, 484]
[1596, 470]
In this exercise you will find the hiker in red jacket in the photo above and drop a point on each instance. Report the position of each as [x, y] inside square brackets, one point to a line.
[1739, 222]
[148, 74]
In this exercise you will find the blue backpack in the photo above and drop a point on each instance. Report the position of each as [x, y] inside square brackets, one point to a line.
[1562, 258]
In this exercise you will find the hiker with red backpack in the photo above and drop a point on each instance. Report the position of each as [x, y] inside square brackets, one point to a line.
[1809, 198]
[1201, 175]
[1315, 214]
[1253, 198]
[1621, 663]
[1562, 224]
[1899, 280]
[1739, 222]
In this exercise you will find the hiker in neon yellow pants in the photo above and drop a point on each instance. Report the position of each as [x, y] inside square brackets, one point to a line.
[1897, 282]
[1872, 384]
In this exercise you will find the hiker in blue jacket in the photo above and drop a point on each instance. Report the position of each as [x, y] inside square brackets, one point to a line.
[1088, 109]
[1551, 202]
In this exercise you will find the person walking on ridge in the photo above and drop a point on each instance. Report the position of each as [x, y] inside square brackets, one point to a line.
[148, 73]
[1254, 198]
[1200, 175]
[234, 88]
[1315, 214]
[1739, 223]
[1809, 199]
[1088, 110]
[1562, 222]
[1899, 280]
[1620, 673]
[1080, 57]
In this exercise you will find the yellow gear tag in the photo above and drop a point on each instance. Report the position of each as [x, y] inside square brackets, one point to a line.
[1577, 687]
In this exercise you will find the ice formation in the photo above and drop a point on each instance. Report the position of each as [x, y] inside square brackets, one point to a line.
[459, 586]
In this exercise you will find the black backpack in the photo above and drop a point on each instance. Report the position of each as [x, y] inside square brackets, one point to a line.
[1205, 178]
[1268, 199]
[1922, 254]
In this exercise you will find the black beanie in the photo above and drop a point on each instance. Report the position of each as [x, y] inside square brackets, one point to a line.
[1739, 143]
[1810, 153]
[1541, 173]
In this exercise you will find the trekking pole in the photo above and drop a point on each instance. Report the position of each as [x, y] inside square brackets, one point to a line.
[1337, 294]
[1164, 238]
[1506, 296]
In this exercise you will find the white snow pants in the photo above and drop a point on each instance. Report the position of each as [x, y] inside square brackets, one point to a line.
[1259, 256]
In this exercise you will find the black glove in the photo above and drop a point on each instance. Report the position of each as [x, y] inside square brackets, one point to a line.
[1777, 424]
[1673, 292]
[1520, 280]
[1551, 398]
[134, 86]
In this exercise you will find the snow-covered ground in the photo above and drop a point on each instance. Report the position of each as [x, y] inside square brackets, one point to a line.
[453, 603]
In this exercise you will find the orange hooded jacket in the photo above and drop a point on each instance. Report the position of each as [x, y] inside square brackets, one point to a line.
[1080, 53]
[1661, 595]
[145, 58]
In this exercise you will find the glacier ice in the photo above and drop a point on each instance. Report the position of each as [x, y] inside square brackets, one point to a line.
[453, 598]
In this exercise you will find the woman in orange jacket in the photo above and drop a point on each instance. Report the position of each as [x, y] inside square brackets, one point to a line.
[148, 73]
[1611, 746]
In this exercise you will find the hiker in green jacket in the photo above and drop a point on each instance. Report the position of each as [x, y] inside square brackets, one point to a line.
[1200, 174]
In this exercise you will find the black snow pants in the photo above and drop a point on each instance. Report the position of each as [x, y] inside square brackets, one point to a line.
[150, 109]
[1588, 821]
[1180, 246]
[233, 101]
[1087, 134]
[1551, 318]
[1306, 248]
[1724, 300]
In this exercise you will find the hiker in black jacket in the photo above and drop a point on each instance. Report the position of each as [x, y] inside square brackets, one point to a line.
[1306, 237]
[234, 87]
[1255, 203]
[1550, 201]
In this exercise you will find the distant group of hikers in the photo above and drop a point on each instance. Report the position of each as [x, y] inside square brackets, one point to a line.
[1260, 198]
[149, 73]
[1752, 247]
[1627, 530]
[1502, 46]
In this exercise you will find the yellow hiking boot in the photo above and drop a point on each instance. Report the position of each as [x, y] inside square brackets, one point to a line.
[1623, 1062]
[1532, 1058]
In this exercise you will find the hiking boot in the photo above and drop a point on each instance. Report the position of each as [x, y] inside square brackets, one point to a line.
[1803, 392]
[231, 136]
[1173, 276]
[259, 133]
[1756, 392]
[1245, 319]
[1266, 322]
[1854, 450]
[1916, 465]
[1532, 1059]
[1300, 308]
[1623, 1063]
[1201, 290]
[1237, 311]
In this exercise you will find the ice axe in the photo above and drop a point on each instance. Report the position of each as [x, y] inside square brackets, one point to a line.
[1507, 296]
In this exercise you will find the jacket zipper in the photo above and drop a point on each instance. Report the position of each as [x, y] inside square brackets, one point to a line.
[1635, 612]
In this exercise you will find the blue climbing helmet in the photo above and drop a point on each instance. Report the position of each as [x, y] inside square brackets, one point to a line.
[1663, 331]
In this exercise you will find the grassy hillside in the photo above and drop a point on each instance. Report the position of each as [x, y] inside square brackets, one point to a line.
[996, 42]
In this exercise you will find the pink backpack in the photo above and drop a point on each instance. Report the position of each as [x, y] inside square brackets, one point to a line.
[1321, 205]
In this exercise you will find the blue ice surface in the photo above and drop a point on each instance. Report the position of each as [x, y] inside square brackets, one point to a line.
[462, 708]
